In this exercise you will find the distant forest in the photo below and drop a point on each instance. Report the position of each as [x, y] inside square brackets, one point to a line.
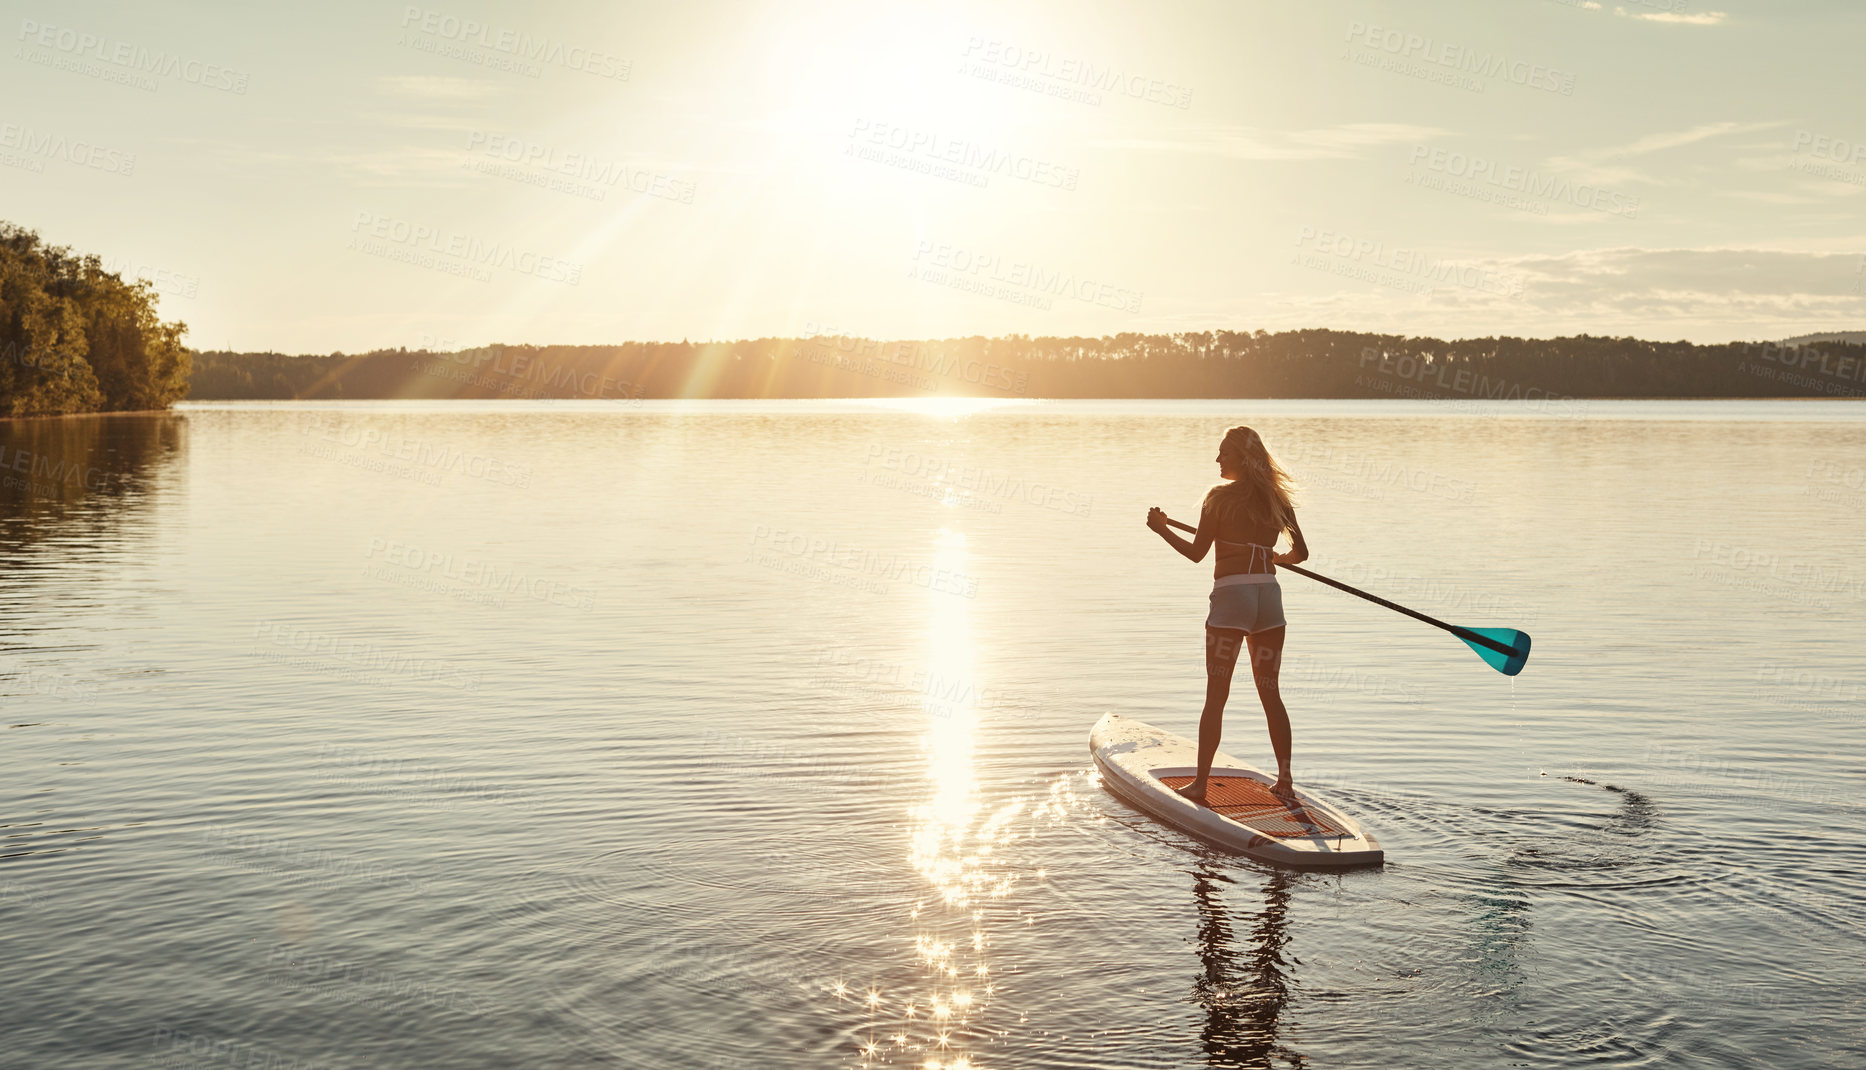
[77, 338]
[1215, 364]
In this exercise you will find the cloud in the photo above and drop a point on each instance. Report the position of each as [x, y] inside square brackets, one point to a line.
[1586, 170]
[425, 168]
[435, 87]
[1701, 294]
[1342, 142]
[417, 121]
[1768, 197]
[1679, 18]
[1660, 142]
[1609, 275]
[1604, 165]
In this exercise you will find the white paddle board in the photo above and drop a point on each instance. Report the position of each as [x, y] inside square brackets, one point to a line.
[1142, 765]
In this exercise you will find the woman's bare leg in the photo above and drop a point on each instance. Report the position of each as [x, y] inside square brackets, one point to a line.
[1222, 646]
[1266, 661]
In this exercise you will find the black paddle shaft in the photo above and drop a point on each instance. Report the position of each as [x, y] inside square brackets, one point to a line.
[1465, 634]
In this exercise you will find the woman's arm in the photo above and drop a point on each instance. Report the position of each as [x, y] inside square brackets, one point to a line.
[1195, 550]
[1298, 549]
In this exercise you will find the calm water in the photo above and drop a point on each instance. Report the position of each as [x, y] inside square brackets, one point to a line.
[382, 735]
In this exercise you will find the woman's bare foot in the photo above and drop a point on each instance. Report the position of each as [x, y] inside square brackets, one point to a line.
[1194, 791]
[1284, 787]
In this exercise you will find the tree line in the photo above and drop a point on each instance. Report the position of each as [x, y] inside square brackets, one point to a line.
[75, 338]
[1210, 364]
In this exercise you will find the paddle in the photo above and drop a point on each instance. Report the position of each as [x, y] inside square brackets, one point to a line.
[1503, 649]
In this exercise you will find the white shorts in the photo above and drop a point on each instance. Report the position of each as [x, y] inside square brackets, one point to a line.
[1248, 601]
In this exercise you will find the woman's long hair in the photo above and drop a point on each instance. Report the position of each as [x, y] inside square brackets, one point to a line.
[1264, 490]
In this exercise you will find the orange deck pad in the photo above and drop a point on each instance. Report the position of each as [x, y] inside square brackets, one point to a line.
[1252, 803]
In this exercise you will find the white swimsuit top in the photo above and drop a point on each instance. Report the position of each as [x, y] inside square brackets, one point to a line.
[1269, 554]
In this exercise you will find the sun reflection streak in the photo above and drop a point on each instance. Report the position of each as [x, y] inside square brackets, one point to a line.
[954, 837]
[956, 842]
[947, 408]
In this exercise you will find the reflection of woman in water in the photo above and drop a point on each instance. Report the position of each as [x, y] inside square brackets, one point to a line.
[1244, 988]
[1245, 517]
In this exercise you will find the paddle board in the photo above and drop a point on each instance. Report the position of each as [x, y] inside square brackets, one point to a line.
[1142, 765]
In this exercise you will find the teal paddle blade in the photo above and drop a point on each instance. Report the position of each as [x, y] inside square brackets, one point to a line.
[1508, 661]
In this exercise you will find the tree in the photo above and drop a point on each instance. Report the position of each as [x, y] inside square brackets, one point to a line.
[76, 338]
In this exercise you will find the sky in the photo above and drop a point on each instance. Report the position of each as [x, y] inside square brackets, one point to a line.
[347, 176]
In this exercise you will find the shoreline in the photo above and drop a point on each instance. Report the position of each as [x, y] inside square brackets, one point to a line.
[181, 407]
[83, 415]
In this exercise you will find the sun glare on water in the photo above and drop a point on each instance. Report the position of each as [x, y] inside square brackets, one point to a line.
[946, 408]
[955, 841]
[940, 824]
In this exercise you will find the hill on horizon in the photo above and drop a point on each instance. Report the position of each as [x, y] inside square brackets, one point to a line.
[1853, 337]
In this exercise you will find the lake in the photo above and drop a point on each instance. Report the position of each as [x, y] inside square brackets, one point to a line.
[669, 734]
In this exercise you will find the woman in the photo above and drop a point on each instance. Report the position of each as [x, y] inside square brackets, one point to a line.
[1244, 517]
